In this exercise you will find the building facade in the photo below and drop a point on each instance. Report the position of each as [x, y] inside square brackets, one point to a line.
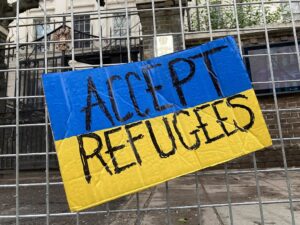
[188, 24]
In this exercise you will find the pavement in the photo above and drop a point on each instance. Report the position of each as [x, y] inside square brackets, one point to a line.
[181, 208]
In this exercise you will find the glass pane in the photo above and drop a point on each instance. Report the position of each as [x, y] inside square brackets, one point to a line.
[284, 66]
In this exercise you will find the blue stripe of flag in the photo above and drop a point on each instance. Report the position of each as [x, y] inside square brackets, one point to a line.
[218, 72]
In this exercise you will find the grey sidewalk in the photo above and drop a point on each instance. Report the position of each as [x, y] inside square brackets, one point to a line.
[182, 192]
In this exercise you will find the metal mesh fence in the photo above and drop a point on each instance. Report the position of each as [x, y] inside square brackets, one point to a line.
[261, 188]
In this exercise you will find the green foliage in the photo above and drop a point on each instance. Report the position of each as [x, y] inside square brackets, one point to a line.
[223, 16]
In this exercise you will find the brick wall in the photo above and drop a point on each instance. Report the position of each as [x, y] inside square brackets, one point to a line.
[290, 124]
[290, 120]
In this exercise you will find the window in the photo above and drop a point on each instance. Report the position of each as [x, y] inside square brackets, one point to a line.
[284, 64]
[40, 33]
[40, 28]
[82, 25]
[120, 25]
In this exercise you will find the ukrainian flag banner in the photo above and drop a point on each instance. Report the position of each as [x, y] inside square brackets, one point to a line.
[121, 129]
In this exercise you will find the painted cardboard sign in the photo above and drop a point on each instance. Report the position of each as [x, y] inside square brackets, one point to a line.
[121, 129]
[165, 45]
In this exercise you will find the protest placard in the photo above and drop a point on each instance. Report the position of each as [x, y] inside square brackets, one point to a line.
[121, 129]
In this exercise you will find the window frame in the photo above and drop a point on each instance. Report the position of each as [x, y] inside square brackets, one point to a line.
[79, 19]
[116, 31]
[269, 91]
[40, 22]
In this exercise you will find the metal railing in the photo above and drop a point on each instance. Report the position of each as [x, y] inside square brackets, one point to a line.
[238, 192]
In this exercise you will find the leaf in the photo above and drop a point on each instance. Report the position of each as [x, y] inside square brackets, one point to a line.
[183, 220]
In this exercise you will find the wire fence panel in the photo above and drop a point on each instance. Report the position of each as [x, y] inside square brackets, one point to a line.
[38, 37]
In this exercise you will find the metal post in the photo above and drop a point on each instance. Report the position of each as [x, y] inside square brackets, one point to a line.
[17, 111]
